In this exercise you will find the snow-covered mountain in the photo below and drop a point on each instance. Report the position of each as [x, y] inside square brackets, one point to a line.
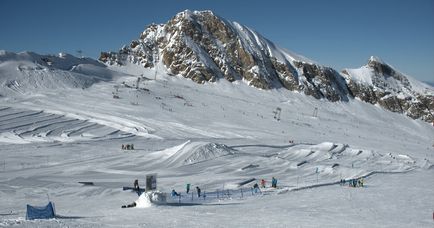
[379, 83]
[205, 48]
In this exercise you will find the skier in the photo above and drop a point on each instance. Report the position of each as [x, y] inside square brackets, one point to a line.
[263, 183]
[198, 191]
[188, 188]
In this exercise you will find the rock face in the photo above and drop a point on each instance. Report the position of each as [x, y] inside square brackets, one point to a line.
[378, 83]
[204, 47]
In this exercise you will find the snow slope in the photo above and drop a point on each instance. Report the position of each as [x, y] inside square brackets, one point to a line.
[27, 71]
[217, 136]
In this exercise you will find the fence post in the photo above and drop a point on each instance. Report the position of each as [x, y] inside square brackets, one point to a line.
[191, 195]
[218, 194]
[241, 193]
[179, 198]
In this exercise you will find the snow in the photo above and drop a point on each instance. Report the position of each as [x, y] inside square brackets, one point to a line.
[420, 87]
[257, 43]
[147, 199]
[27, 71]
[213, 135]
[362, 75]
[376, 59]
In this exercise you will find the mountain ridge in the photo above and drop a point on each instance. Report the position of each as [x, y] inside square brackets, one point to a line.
[205, 47]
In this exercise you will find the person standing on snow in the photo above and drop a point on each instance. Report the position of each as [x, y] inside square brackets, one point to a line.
[274, 182]
[187, 188]
[263, 183]
[198, 191]
[256, 188]
[136, 184]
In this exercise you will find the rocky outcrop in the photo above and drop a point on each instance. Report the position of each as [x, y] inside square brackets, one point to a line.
[322, 82]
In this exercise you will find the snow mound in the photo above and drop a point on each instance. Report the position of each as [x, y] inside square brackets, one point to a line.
[207, 152]
[426, 164]
[146, 199]
[194, 152]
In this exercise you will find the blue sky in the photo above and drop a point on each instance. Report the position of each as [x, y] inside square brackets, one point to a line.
[337, 33]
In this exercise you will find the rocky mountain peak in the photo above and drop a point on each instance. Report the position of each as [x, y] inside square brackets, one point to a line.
[204, 47]
[375, 59]
[380, 67]
[379, 83]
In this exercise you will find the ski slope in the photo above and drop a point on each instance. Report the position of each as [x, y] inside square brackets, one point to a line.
[215, 136]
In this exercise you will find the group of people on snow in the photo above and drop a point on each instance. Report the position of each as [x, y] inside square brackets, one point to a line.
[187, 190]
[273, 183]
[127, 147]
[256, 188]
[174, 193]
[358, 182]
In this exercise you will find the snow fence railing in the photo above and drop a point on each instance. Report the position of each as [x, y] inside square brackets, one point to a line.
[217, 195]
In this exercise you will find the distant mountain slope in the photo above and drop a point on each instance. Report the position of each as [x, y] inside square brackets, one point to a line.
[429, 83]
[205, 48]
[379, 83]
[27, 71]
